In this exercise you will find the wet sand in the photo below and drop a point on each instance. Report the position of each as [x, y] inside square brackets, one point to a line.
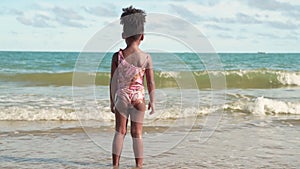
[238, 142]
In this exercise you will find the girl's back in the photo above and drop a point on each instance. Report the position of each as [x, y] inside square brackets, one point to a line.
[136, 57]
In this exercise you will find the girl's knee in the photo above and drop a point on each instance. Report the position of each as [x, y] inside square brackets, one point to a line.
[121, 131]
[136, 134]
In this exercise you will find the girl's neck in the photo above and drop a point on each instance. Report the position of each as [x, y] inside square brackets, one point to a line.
[132, 47]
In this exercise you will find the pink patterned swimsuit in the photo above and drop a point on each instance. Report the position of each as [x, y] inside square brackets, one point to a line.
[130, 89]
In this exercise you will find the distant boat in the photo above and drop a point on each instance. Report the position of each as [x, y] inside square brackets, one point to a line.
[261, 52]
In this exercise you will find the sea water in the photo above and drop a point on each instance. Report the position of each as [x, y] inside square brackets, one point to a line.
[49, 120]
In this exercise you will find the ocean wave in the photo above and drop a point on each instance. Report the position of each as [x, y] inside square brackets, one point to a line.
[250, 105]
[29, 113]
[260, 78]
[264, 106]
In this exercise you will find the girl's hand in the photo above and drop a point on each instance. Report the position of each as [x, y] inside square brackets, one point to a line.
[151, 105]
[112, 108]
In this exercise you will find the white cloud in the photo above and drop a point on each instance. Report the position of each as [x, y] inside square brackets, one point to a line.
[68, 17]
[102, 11]
[66, 13]
[209, 3]
[286, 8]
[50, 16]
[216, 27]
[268, 35]
[15, 12]
[272, 5]
[245, 19]
[222, 20]
[10, 11]
[239, 18]
[37, 21]
[283, 25]
[185, 13]
[225, 36]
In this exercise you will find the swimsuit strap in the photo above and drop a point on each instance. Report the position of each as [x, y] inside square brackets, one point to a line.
[143, 66]
[120, 56]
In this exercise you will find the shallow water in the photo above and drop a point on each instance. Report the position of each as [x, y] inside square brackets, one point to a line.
[239, 142]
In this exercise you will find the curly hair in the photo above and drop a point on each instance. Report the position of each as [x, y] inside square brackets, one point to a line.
[133, 21]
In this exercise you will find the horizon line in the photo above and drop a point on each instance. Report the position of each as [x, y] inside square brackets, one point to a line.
[74, 51]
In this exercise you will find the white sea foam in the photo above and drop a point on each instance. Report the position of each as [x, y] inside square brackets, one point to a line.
[289, 78]
[169, 74]
[176, 113]
[258, 106]
[171, 104]
[284, 77]
[31, 113]
[264, 106]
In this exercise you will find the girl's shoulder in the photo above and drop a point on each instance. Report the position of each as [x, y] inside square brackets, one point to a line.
[147, 60]
[114, 59]
[115, 56]
[145, 54]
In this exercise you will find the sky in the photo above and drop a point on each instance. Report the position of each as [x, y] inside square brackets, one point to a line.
[229, 25]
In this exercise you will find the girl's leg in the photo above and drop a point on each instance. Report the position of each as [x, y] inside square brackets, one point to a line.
[121, 129]
[137, 117]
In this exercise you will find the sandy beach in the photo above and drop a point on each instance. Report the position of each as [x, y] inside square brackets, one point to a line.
[239, 142]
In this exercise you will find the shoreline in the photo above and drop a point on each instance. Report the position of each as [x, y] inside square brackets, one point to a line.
[238, 142]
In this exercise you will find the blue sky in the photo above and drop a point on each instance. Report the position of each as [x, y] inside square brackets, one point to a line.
[230, 25]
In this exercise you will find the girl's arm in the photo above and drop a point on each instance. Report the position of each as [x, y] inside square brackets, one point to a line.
[113, 81]
[150, 85]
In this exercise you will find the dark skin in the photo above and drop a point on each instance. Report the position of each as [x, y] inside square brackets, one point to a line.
[137, 113]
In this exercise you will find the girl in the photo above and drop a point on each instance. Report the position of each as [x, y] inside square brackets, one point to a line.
[128, 68]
